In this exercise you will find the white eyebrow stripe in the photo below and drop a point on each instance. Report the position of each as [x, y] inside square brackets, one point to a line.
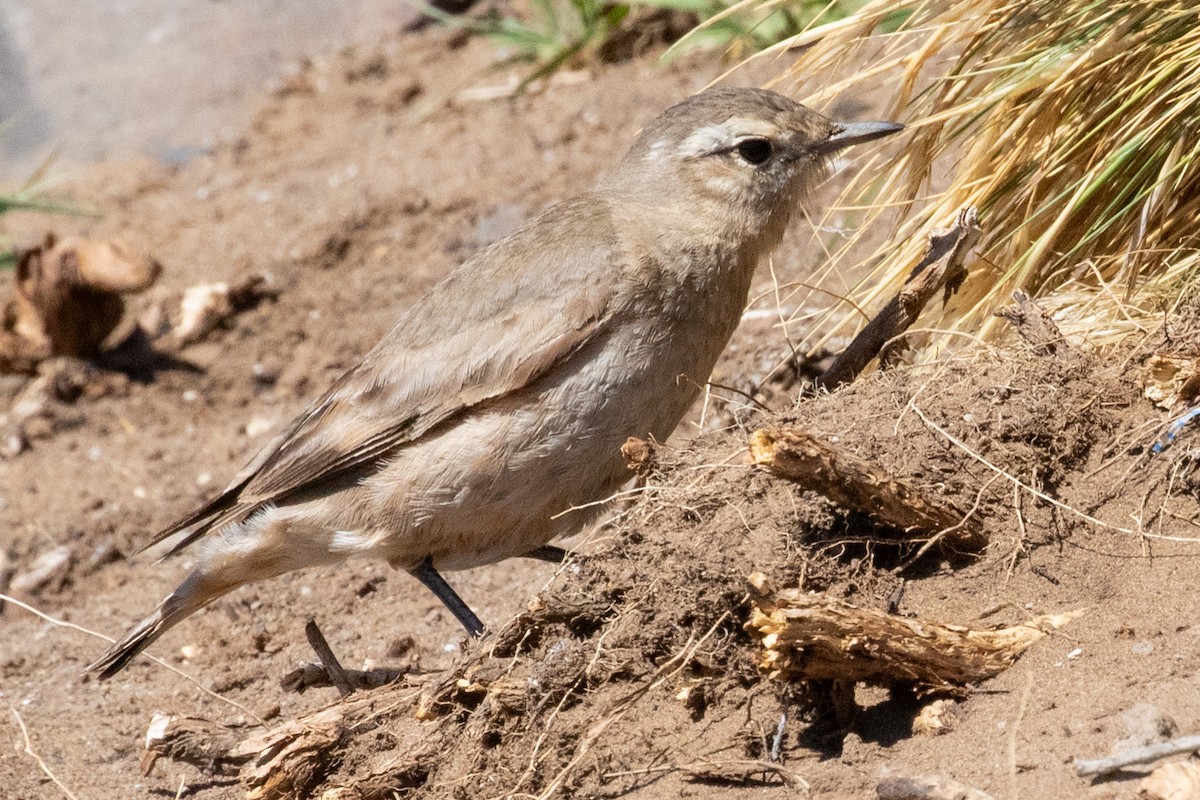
[724, 135]
[706, 140]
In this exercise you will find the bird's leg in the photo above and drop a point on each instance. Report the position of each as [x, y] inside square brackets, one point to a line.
[333, 667]
[547, 552]
[426, 574]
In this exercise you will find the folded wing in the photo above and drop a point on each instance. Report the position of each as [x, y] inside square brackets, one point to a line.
[498, 323]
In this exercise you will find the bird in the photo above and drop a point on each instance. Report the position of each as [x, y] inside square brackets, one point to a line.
[488, 422]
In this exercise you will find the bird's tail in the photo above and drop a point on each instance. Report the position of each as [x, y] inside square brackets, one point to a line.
[197, 591]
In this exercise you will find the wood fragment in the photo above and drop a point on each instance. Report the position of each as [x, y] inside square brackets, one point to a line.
[900, 787]
[858, 485]
[206, 306]
[816, 637]
[192, 740]
[297, 757]
[67, 297]
[310, 675]
[941, 269]
[1177, 780]
[639, 454]
[1034, 325]
[1138, 755]
[333, 667]
[938, 718]
[290, 759]
[301, 756]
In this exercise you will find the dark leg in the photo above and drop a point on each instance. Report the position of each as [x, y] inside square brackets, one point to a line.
[547, 552]
[333, 667]
[426, 574]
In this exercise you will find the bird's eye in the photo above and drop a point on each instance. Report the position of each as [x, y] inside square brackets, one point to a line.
[754, 151]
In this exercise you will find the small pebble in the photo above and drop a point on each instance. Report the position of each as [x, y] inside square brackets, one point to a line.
[258, 426]
[49, 569]
[268, 711]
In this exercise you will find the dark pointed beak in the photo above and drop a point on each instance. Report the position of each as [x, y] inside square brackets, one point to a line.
[848, 133]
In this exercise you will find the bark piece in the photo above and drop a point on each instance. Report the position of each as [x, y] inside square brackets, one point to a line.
[858, 485]
[816, 637]
[67, 297]
[1178, 780]
[900, 787]
[1034, 325]
[193, 740]
[288, 760]
[941, 269]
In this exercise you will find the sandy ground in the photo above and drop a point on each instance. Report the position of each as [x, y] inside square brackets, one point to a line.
[358, 183]
[87, 80]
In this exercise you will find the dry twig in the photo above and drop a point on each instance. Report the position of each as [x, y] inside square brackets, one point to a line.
[62, 624]
[1139, 755]
[861, 486]
[941, 269]
[29, 751]
[816, 637]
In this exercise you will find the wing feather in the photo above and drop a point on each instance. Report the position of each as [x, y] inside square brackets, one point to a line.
[496, 324]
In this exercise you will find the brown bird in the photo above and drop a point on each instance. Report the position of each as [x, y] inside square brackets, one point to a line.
[481, 424]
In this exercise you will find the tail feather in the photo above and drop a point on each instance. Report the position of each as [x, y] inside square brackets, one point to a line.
[206, 514]
[134, 642]
[197, 591]
[228, 506]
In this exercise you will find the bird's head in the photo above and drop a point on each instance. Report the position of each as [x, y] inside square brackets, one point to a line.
[748, 154]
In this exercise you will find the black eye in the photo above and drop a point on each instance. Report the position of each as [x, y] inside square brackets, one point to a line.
[754, 151]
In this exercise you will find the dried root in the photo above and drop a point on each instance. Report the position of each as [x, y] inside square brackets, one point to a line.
[861, 486]
[817, 637]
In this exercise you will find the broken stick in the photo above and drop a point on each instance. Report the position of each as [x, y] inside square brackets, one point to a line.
[192, 740]
[1034, 325]
[333, 667]
[817, 637]
[1138, 755]
[941, 269]
[860, 486]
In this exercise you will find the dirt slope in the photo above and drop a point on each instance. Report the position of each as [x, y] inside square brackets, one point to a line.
[356, 187]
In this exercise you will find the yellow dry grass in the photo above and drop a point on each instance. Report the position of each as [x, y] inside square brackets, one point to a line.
[1074, 127]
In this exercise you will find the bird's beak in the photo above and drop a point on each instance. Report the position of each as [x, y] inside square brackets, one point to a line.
[848, 133]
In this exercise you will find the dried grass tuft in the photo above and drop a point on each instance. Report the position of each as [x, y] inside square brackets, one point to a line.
[1072, 126]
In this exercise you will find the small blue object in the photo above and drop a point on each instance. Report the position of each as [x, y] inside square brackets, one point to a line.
[1168, 438]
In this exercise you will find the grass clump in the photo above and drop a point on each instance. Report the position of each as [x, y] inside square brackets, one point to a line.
[552, 34]
[29, 197]
[1073, 126]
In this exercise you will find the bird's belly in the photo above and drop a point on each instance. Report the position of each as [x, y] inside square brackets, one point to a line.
[515, 473]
